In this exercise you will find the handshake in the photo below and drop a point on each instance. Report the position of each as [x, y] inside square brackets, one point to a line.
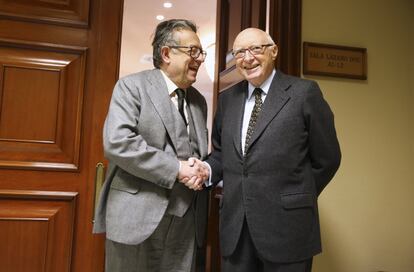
[193, 173]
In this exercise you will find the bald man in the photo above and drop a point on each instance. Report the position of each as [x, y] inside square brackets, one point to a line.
[275, 147]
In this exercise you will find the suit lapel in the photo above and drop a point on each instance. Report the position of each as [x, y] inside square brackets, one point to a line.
[237, 110]
[159, 97]
[199, 121]
[276, 99]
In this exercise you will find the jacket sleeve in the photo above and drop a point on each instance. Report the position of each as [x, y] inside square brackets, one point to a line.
[214, 159]
[324, 148]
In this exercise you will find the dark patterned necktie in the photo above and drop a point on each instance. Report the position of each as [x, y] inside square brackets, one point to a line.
[253, 118]
[181, 96]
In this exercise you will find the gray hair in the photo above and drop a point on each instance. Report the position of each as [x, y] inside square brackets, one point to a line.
[164, 35]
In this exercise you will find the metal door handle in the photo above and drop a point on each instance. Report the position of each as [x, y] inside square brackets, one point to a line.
[99, 180]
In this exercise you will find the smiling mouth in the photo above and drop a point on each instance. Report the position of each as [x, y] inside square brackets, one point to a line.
[250, 69]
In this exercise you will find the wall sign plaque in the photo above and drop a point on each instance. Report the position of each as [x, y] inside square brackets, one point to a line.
[334, 60]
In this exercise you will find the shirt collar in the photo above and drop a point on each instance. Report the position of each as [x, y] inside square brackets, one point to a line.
[265, 85]
[171, 87]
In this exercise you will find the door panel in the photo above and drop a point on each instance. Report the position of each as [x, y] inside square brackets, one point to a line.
[39, 226]
[40, 106]
[58, 65]
[67, 12]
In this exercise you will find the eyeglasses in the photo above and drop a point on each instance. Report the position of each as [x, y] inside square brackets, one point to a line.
[193, 51]
[254, 50]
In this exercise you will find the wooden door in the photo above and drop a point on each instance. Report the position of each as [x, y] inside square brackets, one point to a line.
[58, 64]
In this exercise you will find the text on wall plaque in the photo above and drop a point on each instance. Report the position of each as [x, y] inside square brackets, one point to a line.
[334, 60]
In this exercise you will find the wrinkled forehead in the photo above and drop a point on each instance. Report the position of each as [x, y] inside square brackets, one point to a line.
[249, 38]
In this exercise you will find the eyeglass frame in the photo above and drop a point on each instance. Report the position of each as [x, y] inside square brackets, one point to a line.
[190, 49]
[243, 50]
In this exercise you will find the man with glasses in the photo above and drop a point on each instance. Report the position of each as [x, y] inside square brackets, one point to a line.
[155, 123]
[275, 148]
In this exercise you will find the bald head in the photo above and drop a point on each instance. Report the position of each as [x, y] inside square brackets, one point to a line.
[252, 33]
[255, 53]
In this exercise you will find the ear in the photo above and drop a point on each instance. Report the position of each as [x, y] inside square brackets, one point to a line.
[165, 54]
[274, 51]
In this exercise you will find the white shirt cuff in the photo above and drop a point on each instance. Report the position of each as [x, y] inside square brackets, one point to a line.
[208, 182]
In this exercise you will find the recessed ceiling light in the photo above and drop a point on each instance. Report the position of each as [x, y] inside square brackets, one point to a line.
[167, 5]
[160, 17]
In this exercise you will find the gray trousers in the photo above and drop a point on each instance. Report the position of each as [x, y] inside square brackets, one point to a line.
[171, 248]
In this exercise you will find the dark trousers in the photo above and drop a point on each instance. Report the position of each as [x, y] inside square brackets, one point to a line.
[246, 259]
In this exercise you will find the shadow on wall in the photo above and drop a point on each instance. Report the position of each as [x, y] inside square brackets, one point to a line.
[328, 261]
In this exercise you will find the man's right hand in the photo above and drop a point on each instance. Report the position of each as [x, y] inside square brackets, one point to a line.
[193, 173]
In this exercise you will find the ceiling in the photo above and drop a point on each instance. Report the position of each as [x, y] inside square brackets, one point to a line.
[140, 21]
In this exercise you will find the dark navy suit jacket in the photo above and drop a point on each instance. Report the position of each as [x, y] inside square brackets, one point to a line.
[293, 154]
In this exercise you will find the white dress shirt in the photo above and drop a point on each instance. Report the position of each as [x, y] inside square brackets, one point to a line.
[171, 87]
[249, 105]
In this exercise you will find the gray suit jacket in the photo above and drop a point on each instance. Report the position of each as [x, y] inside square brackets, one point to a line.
[141, 143]
[293, 154]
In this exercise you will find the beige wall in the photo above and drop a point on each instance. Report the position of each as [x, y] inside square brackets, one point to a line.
[411, 73]
[367, 212]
